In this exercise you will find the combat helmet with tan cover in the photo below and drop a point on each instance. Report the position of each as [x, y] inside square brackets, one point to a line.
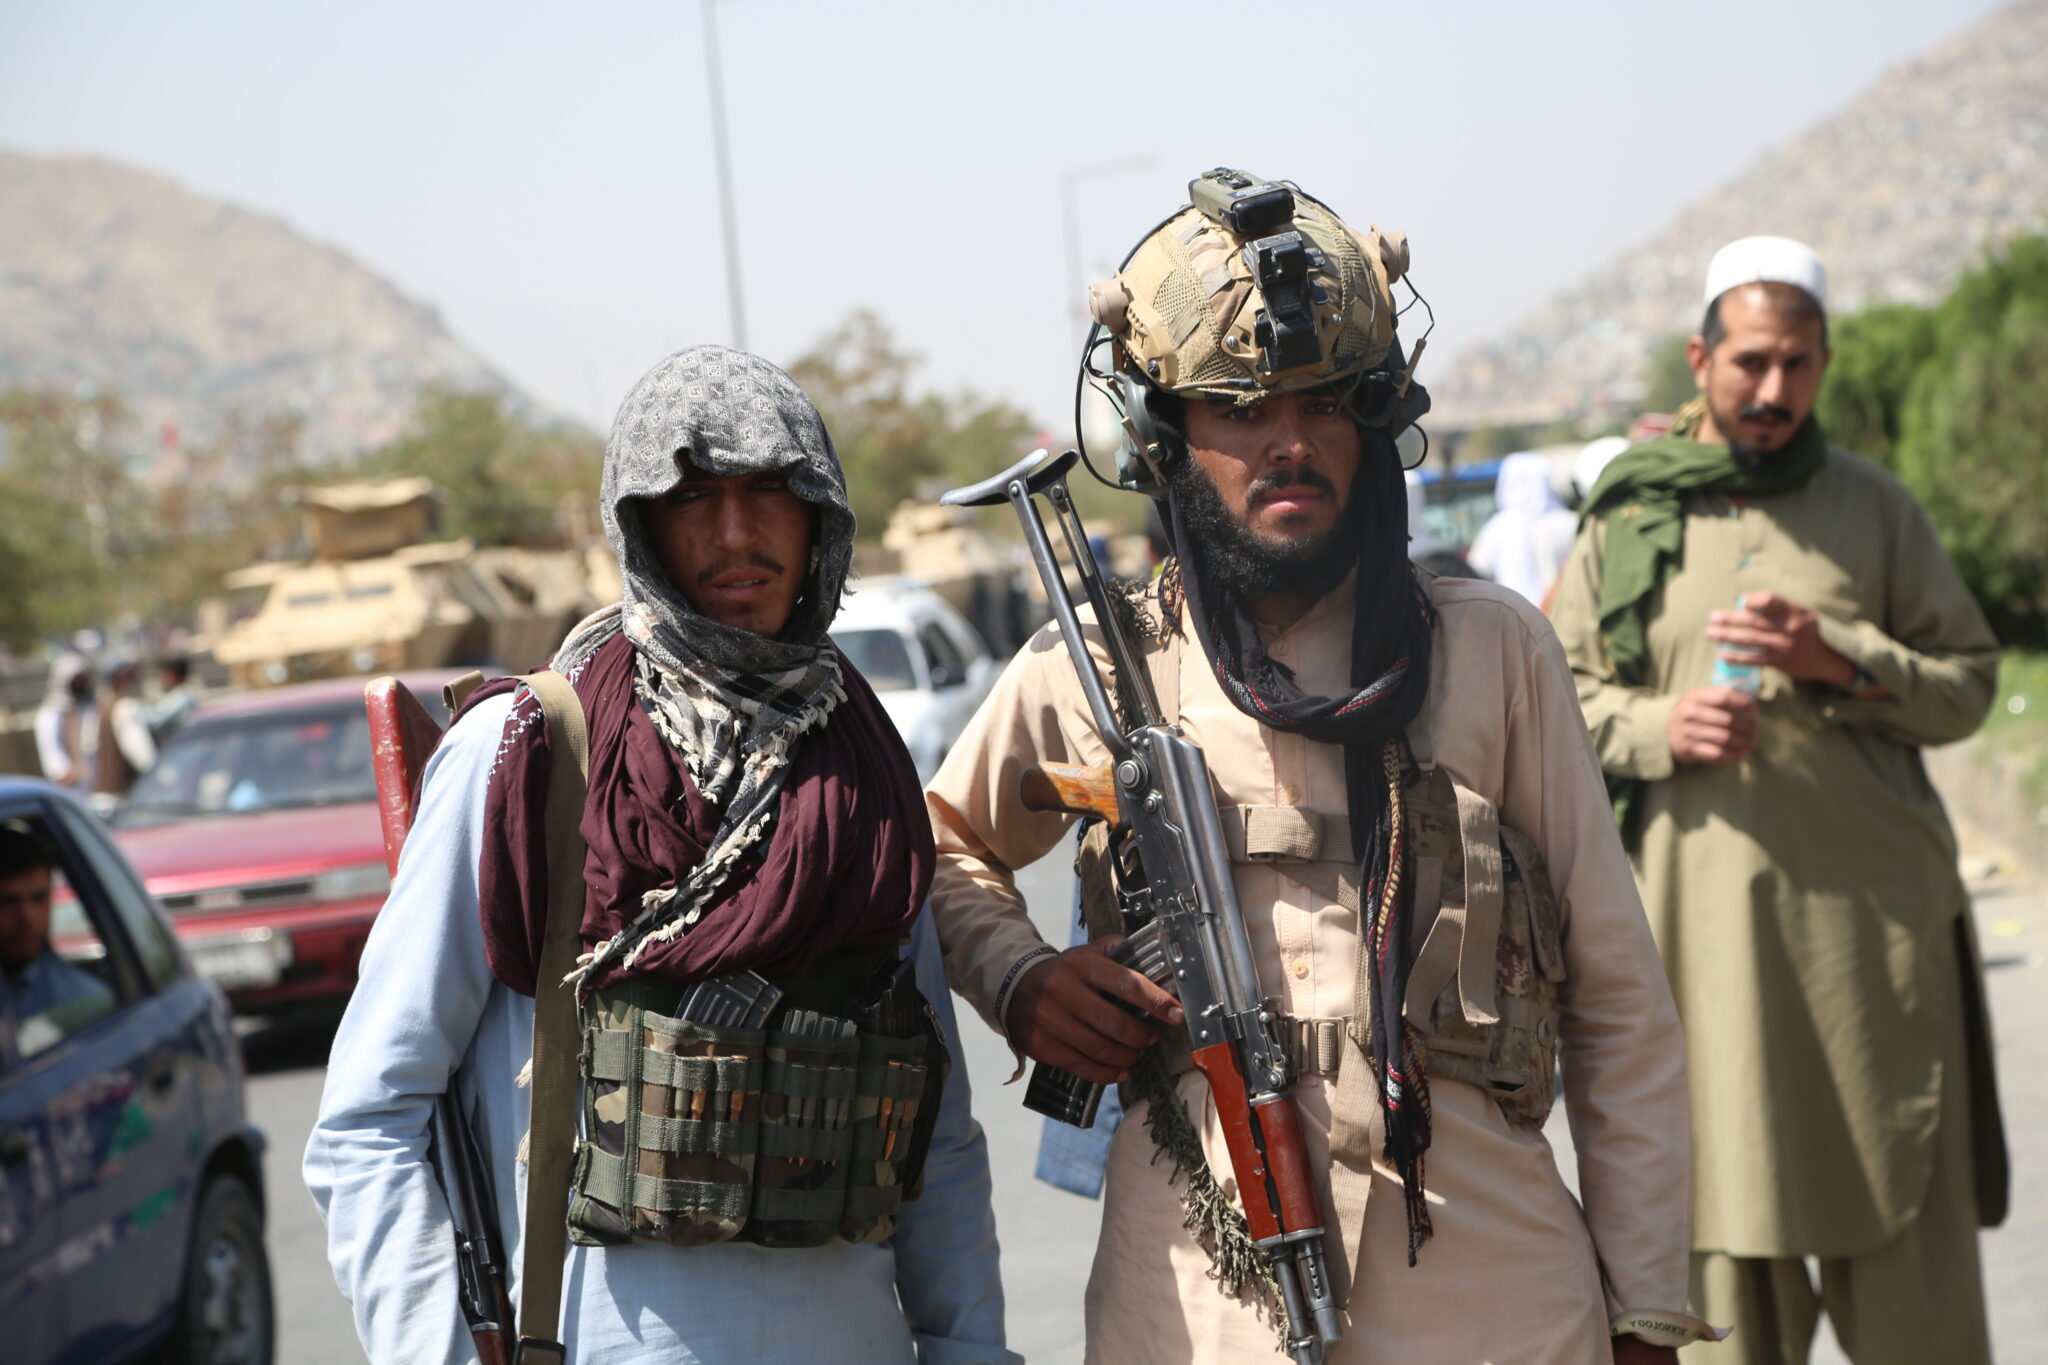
[1255, 288]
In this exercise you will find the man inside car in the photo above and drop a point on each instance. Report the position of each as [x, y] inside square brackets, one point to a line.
[42, 996]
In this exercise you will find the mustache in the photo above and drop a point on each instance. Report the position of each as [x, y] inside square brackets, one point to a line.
[750, 561]
[1300, 478]
[1756, 410]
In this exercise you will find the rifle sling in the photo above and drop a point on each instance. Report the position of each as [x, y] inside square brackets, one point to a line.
[552, 1131]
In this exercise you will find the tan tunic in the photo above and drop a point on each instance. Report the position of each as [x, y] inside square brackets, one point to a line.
[1806, 901]
[1515, 1270]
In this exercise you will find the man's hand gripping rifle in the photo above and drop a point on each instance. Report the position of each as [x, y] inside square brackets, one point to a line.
[1191, 936]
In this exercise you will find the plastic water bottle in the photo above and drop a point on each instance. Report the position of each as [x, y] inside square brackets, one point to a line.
[1746, 678]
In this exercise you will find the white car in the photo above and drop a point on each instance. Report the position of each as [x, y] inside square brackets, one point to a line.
[927, 665]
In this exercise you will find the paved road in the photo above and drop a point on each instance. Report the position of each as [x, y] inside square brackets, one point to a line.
[1048, 1236]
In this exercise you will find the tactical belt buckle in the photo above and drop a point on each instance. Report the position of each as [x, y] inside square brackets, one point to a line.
[1315, 1047]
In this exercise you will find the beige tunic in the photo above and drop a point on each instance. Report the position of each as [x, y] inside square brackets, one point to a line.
[1515, 1270]
[1806, 900]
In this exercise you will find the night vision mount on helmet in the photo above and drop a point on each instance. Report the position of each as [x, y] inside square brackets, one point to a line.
[1252, 288]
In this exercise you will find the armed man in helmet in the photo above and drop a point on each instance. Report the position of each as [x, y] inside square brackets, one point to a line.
[1398, 759]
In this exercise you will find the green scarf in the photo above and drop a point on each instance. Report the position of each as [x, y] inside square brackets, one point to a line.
[1641, 498]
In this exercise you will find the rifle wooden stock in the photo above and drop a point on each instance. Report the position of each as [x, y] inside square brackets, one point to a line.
[1074, 790]
[403, 736]
[1266, 1150]
[492, 1347]
[495, 1342]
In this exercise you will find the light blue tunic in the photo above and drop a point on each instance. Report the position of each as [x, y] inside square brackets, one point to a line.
[427, 1006]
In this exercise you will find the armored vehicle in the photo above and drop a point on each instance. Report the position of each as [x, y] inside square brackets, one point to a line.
[947, 550]
[378, 596]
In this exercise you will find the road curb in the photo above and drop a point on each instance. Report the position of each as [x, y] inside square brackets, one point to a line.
[1986, 788]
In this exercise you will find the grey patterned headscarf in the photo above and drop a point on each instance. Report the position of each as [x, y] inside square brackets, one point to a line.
[733, 702]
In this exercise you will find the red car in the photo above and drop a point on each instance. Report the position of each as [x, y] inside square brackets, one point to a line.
[257, 830]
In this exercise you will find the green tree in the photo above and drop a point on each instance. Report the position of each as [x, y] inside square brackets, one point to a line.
[501, 477]
[1954, 398]
[893, 443]
[224, 505]
[1668, 382]
[65, 501]
[1878, 355]
[1973, 437]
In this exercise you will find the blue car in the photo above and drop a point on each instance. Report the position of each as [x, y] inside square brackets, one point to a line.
[131, 1190]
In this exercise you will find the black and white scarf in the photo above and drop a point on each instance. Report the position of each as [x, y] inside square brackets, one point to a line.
[734, 703]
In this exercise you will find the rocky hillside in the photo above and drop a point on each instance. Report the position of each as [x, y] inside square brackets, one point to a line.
[193, 309]
[1899, 192]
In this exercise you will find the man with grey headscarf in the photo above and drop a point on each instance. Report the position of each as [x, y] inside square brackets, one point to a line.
[750, 815]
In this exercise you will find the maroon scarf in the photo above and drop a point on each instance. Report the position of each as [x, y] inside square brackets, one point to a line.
[847, 863]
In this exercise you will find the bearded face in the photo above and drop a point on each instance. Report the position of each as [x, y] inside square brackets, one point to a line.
[1759, 361]
[1267, 489]
[1255, 565]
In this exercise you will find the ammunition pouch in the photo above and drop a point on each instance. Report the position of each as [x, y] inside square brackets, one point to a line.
[811, 1128]
[1483, 989]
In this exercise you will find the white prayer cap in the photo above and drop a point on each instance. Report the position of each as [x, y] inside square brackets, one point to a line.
[1767, 260]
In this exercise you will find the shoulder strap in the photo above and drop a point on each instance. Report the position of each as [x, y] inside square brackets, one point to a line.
[1166, 666]
[552, 1130]
[455, 692]
[1419, 746]
[1164, 662]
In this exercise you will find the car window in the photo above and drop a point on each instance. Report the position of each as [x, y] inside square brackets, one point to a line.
[145, 928]
[941, 656]
[246, 764]
[57, 976]
[880, 656]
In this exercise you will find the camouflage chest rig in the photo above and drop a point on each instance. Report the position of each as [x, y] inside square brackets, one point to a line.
[1487, 942]
[786, 1113]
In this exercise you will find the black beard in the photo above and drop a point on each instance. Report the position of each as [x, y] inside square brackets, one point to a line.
[1249, 566]
[1751, 458]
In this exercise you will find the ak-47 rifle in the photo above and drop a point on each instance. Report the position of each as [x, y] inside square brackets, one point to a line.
[1189, 935]
[402, 737]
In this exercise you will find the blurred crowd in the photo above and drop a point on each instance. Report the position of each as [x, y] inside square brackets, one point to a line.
[100, 726]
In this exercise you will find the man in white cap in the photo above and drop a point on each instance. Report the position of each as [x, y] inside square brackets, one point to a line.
[1765, 632]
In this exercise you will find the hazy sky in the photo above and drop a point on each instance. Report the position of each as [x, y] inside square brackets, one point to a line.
[545, 175]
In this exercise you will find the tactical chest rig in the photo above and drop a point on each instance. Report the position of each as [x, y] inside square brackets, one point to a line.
[787, 1114]
[1489, 926]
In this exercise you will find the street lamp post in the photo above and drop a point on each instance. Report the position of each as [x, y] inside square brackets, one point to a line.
[1070, 213]
[715, 81]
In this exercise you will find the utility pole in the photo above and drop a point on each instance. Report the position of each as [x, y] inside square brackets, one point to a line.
[716, 83]
[1070, 179]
